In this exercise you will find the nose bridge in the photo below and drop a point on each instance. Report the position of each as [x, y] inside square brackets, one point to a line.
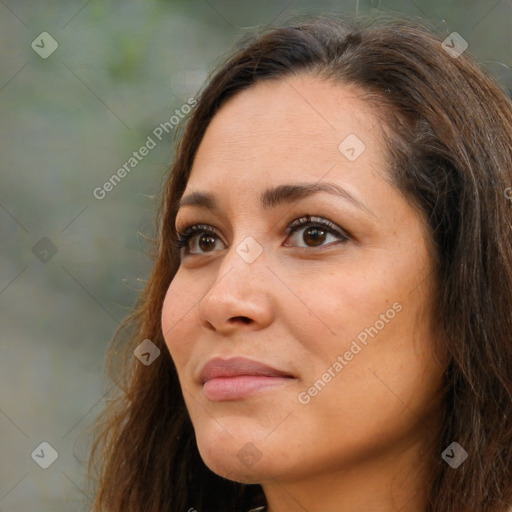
[243, 264]
[249, 250]
[240, 289]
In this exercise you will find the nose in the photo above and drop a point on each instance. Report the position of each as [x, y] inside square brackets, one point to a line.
[242, 296]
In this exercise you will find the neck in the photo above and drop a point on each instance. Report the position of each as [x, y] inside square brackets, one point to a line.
[390, 483]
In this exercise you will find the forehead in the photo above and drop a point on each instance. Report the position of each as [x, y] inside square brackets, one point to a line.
[289, 129]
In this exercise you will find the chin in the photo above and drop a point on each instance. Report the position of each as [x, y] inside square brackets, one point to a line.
[233, 458]
[227, 464]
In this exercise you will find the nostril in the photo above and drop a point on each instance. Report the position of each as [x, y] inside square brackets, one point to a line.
[243, 319]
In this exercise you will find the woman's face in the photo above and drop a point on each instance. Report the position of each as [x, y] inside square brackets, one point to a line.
[338, 307]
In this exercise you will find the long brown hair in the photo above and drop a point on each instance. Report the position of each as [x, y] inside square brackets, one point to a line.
[448, 128]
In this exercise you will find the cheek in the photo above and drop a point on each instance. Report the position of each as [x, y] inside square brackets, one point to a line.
[371, 316]
[179, 310]
[339, 306]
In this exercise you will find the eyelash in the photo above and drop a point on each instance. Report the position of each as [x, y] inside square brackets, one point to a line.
[184, 237]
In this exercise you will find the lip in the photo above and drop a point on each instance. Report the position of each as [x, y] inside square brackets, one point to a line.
[238, 377]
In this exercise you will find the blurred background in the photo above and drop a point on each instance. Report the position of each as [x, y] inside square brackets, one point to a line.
[83, 84]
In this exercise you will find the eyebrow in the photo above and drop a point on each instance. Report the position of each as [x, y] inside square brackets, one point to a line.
[273, 197]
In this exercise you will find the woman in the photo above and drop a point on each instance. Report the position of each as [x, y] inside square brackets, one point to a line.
[332, 288]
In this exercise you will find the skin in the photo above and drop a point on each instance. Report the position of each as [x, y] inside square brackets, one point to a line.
[359, 445]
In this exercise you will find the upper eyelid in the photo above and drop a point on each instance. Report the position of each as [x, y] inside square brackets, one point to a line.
[293, 226]
[201, 227]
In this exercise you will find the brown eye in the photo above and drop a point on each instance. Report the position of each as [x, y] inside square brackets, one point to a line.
[202, 239]
[197, 239]
[314, 236]
[314, 232]
[206, 242]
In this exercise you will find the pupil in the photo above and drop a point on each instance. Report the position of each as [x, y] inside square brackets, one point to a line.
[209, 239]
[316, 235]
